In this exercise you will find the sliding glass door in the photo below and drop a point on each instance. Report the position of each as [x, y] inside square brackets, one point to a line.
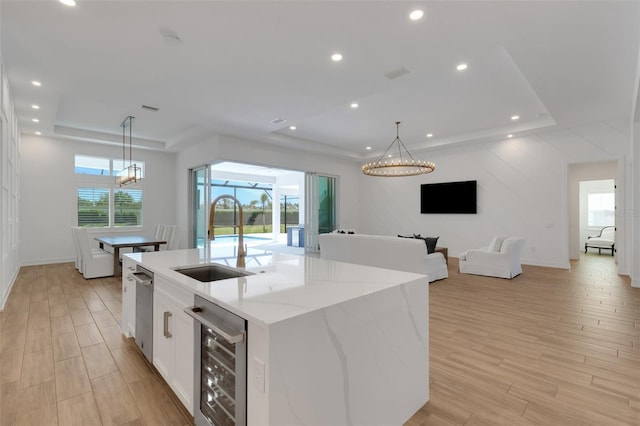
[318, 212]
[321, 195]
[199, 206]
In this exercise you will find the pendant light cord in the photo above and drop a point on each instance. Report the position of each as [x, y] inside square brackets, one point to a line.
[130, 131]
[123, 143]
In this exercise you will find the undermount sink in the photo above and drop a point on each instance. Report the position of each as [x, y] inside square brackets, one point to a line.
[212, 272]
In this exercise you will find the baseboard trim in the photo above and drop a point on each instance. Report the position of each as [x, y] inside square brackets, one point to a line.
[5, 296]
[37, 262]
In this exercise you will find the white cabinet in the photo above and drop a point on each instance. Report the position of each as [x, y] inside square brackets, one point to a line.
[128, 316]
[173, 335]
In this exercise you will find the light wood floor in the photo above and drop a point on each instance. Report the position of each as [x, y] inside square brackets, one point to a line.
[63, 360]
[550, 347]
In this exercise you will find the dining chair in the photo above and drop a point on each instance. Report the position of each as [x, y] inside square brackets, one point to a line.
[168, 233]
[74, 235]
[170, 236]
[95, 262]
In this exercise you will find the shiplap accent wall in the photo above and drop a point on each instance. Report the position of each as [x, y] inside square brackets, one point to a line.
[49, 200]
[10, 175]
[522, 190]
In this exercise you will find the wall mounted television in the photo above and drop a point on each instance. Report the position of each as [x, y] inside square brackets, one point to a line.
[449, 197]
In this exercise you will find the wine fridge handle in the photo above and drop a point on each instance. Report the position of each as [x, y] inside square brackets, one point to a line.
[231, 338]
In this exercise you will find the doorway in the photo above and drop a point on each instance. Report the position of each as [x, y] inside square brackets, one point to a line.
[593, 202]
[271, 199]
[597, 209]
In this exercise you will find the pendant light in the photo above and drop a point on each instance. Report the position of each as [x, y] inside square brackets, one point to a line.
[402, 165]
[131, 174]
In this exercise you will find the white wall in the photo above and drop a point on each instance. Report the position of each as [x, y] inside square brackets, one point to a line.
[633, 218]
[49, 200]
[579, 173]
[522, 190]
[225, 148]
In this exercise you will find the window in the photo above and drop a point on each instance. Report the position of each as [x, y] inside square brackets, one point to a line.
[92, 166]
[93, 207]
[127, 207]
[86, 165]
[100, 202]
[601, 209]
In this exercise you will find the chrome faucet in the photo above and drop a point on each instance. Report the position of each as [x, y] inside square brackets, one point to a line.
[242, 250]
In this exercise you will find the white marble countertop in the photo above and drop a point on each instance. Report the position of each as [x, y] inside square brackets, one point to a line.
[284, 285]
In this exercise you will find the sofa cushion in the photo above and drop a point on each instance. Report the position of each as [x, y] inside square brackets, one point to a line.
[496, 243]
[431, 243]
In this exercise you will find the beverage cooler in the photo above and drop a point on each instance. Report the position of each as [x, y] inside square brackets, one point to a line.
[220, 365]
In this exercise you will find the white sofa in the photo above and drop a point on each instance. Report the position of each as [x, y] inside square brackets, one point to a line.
[500, 259]
[404, 254]
[606, 240]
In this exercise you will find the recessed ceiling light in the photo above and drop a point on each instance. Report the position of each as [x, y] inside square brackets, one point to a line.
[68, 2]
[35, 106]
[416, 14]
[354, 105]
[336, 57]
[292, 127]
[462, 67]
[35, 120]
[36, 83]
[509, 135]
[515, 117]
[38, 133]
[429, 135]
[368, 148]
[389, 155]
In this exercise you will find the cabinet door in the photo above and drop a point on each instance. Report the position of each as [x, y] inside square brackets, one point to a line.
[183, 361]
[128, 315]
[173, 340]
[131, 309]
[163, 341]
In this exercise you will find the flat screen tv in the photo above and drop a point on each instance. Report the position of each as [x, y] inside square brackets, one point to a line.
[449, 197]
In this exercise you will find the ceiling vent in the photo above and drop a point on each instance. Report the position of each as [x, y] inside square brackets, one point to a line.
[278, 121]
[398, 72]
[149, 108]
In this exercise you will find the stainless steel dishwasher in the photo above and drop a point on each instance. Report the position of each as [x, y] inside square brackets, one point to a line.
[220, 382]
[144, 311]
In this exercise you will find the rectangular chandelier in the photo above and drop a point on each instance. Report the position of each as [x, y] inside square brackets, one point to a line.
[131, 174]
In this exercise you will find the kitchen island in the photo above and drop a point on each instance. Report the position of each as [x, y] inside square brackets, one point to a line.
[328, 342]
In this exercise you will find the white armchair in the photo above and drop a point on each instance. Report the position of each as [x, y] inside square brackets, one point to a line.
[500, 259]
[606, 240]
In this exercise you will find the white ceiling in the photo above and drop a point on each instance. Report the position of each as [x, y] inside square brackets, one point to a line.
[240, 64]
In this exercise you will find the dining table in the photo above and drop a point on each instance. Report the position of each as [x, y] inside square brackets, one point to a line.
[125, 241]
